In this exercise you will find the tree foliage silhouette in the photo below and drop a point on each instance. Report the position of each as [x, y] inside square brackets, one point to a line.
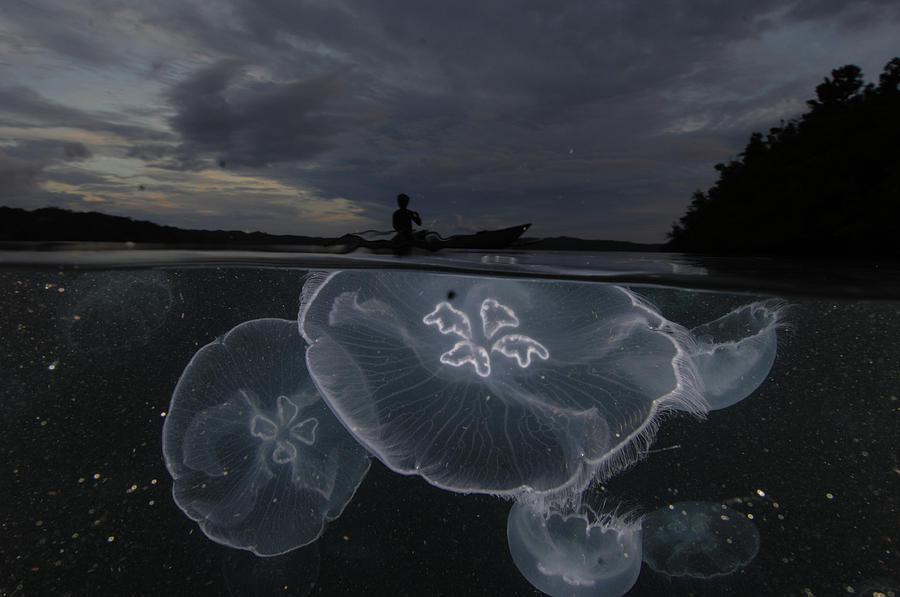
[827, 183]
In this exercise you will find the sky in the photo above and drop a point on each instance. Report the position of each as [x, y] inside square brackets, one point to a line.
[590, 118]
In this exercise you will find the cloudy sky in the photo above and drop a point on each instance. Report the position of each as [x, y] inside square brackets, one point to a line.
[588, 118]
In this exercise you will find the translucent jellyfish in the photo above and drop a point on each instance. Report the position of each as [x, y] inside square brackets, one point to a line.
[698, 539]
[735, 352]
[257, 458]
[491, 385]
[579, 553]
[103, 312]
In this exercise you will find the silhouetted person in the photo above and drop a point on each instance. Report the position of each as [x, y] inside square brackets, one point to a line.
[403, 218]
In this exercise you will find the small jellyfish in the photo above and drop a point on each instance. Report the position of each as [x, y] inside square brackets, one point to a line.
[735, 352]
[577, 553]
[103, 312]
[257, 458]
[492, 385]
[699, 540]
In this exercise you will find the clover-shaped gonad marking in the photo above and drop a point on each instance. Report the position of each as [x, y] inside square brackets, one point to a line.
[520, 347]
[494, 316]
[449, 320]
[284, 431]
[466, 352]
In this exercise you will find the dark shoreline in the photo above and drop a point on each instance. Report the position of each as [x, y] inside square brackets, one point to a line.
[51, 228]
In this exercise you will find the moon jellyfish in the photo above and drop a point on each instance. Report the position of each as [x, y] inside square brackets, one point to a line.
[257, 458]
[698, 539]
[579, 554]
[491, 385]
[103, 312]
[735, 352]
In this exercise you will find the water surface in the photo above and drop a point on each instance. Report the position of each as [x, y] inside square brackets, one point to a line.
[812, 455]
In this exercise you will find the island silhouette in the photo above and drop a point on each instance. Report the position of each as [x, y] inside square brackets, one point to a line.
[822, 185]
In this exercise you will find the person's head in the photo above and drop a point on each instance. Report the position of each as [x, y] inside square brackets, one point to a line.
[403, 200]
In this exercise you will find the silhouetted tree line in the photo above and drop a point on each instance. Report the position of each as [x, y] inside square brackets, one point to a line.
[827, 183]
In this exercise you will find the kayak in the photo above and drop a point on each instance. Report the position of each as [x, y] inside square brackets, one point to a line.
[486, 239]
[432, 241]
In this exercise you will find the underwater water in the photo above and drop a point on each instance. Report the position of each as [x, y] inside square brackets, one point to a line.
[92, 347]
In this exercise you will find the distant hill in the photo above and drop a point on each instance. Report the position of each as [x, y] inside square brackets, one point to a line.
[568, 243]
[51, 224]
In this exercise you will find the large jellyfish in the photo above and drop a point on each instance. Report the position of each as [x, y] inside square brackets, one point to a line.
[735, 352]
[698, 539]
[494, 385]
[575, 552]
[257, 458]
[103, 312]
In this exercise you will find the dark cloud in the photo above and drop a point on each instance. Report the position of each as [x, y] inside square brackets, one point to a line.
[595, 118]
[25, 166]
[21, 184]
[150, 152]
[512, 53]
[17, 175]
[73, 151]
[239, 122]
[48, 152]
[64, 29]
[21, 106]
[848, 15]
[24, 107]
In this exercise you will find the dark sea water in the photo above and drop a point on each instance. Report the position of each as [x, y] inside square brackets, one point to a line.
[85, 497]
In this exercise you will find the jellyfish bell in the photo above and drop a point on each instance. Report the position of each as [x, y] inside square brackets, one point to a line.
[698, 539]
[735, 352]
[257, 458]
[575, 551]
[492, 385]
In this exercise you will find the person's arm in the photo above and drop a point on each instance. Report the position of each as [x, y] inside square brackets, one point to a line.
[416, 218]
